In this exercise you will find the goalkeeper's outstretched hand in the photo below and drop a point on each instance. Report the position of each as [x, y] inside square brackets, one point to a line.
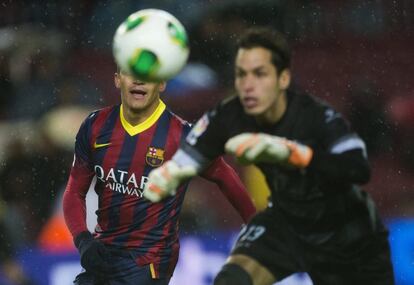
[164, 180]
[259, 147]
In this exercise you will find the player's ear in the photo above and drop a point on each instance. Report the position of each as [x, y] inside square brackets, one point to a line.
[117, 80]
[284, 79]
[162, 86]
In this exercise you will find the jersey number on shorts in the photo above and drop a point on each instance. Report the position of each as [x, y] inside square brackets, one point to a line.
[251, 233]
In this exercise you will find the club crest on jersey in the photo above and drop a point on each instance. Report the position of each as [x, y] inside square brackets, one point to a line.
[154, 156]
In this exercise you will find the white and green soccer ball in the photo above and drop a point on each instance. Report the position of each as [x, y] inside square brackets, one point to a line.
[152, 45]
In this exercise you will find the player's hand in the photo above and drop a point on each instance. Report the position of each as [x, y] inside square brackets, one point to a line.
[256, 147]
[259, 147]
[164, 180]
[95, 257]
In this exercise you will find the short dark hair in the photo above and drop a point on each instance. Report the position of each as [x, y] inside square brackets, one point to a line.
[270, 39]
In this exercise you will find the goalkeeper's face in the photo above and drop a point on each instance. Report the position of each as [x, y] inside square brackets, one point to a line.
[260, 88]
[137, 95]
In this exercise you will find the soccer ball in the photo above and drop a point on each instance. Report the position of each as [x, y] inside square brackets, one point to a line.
[151, 45]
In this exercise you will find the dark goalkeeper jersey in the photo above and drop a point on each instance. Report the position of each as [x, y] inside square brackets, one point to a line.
[319, 200]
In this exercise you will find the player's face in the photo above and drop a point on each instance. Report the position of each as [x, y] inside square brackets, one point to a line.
[259, 86]
[136, 95]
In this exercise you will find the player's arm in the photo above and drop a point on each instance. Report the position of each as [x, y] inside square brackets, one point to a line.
[94, 255]
[231, 186]
[164, 180]
[74, 203]
[81, 174]
[261, 147]
[340, 154]
[348, 165]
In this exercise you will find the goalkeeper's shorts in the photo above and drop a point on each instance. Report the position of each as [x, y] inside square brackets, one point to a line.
[273, 243]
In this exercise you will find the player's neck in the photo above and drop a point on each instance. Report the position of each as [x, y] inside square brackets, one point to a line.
[136, 117]
[275, 112]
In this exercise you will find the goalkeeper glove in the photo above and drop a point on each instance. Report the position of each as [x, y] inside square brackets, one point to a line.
[94, 255]
[164, 180]
[253, 148]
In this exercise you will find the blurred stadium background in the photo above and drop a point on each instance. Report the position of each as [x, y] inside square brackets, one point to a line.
[56, 66]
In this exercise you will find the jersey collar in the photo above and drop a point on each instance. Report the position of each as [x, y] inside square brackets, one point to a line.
[145, 125]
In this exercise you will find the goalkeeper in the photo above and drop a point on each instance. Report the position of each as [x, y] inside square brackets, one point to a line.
[318, 220]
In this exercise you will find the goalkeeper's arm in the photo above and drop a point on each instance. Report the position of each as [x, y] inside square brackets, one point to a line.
[348, 166]
[260, 147]
[164, 180]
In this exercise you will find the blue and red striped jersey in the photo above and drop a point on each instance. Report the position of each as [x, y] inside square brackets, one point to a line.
[121, 156]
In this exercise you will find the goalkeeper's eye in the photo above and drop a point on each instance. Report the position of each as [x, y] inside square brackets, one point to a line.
[240, 73]
[260, 74]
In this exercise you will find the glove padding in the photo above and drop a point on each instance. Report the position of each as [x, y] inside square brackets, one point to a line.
[94, 256]
[259, 147]
[164, 180]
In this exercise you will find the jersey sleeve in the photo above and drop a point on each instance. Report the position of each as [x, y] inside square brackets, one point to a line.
[80, 178]
[74, 197]
[82, 143]
[231, 186]
[340, 154]
[335, 134]
[206, 137]
[203, 143]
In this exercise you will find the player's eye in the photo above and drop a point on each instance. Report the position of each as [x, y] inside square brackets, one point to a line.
[260, 73]
[240, 73]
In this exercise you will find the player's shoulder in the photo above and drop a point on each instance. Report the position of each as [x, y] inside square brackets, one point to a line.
[231, 102]
[228, 108]
[319, 110]
[303, 98]
[310, 102]
[102, 114]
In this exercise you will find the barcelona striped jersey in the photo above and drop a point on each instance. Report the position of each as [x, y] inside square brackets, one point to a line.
[121, 156]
